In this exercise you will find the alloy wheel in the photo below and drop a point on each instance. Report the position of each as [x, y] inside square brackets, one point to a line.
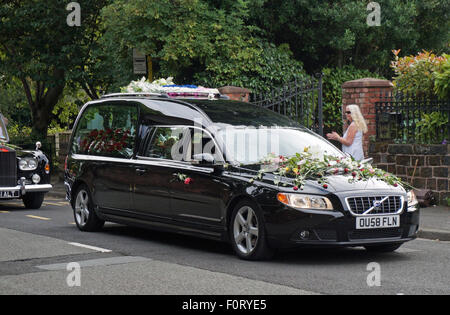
[246, 230]
[82, 208]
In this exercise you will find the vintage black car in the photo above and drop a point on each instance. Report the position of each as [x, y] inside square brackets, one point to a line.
[24, 174]
[191, 166]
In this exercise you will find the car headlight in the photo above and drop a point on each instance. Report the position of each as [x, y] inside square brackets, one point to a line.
[300, 201]
[412, 201]
[28, 164]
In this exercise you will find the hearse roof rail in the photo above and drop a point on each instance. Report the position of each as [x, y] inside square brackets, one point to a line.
[139, 94]
[172, 95]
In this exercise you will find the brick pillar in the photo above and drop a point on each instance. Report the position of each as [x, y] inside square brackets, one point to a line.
[235, 93]
[365, 93]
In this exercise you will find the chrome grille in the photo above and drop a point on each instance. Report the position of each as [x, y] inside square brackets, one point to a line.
[8, 169]
[387, 205]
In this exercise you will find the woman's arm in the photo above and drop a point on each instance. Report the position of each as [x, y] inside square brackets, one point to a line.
[348, 140]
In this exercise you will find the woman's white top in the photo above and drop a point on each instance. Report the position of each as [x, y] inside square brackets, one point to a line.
[356, 148]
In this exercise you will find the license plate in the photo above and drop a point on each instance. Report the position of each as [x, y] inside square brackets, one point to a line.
[378, 222]
[8, 194]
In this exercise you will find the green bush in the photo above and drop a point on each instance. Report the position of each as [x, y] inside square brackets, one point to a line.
[432, 128]
[332, 93]
[270, 66]
[416, 74]
[442, 79]
[17, 132]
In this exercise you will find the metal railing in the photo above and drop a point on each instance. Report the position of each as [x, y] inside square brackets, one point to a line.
[408, 118]
[300, 100]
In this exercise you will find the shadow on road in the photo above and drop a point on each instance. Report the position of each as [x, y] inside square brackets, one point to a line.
[307, 256]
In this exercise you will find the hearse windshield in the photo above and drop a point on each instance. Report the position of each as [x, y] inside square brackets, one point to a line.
[248, 145]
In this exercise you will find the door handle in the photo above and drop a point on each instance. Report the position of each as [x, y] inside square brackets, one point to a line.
[140, 171]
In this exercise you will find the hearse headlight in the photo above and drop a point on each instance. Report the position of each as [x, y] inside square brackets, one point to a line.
[300, 201]
[412, 201]
[28, 164]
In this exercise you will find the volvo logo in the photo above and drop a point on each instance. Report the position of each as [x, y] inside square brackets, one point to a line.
[377, 204]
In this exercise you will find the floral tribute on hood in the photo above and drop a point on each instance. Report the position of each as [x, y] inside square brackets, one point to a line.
[167, 86]
[304, 166]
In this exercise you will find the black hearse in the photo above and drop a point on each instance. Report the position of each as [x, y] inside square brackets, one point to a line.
[24, 174]
[191, 166]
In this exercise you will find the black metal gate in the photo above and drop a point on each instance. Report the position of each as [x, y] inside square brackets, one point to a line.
[409, 118]
[300, 100]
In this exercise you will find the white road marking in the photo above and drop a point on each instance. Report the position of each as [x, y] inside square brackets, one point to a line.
[98, 249]
[39, 218]
[98, 262]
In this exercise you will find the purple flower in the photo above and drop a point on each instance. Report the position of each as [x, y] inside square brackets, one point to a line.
[445, 141]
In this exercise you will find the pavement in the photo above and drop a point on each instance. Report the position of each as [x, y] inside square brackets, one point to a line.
[434, 220]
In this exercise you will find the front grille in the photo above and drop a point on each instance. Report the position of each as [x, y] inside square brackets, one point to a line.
[391, 205]
[375, 233]
[8, 169]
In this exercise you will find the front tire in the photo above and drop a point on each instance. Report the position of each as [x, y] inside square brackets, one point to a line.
[386, 248]
[33, 200]
[83, 209]
[248, 233]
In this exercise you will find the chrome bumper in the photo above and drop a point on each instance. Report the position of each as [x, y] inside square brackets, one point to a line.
[21, 190]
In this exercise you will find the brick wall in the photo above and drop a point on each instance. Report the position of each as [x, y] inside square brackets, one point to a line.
[433, 165]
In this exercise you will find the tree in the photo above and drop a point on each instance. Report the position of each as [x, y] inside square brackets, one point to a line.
[13, 103]
[336, 33]
[39, 48]
[207, 42]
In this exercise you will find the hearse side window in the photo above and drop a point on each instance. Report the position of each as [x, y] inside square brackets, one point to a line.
[180, 144]
[106, 130]
[161, 144]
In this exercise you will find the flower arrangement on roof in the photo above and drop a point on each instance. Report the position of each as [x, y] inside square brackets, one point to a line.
[305, 166]
[168, 87]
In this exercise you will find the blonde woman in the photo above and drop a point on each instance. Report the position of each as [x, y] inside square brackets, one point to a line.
[352, 139]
